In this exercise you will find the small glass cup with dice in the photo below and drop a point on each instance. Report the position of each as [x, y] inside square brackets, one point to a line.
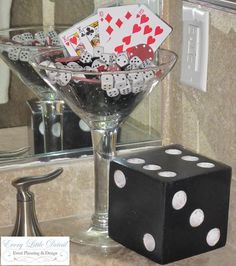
[16, 45]
[103, 89]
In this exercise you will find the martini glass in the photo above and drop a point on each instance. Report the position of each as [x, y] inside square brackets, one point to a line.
[103, 112]
[15, 51]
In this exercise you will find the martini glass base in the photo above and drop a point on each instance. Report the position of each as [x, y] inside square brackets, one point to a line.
[97, 239]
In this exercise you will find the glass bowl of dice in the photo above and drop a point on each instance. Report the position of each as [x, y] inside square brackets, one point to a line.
[16, 45]
[103, 89]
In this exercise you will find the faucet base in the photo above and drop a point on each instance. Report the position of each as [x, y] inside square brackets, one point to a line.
[26, 220]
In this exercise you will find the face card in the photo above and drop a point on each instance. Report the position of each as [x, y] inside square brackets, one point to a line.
[145, 28]
[89, 32]
[71, 40]
[113, 19]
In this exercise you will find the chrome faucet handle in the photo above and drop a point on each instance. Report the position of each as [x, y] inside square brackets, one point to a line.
[26, 220]
[22, 184]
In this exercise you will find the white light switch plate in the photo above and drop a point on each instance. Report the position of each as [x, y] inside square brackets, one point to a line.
[195, 47]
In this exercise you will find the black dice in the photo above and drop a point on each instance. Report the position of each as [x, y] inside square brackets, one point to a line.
[168, 203]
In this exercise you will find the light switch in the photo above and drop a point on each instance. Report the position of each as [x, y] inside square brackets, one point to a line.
[194, 47]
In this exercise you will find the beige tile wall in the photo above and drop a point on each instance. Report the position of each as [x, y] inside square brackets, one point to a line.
[206, 121]
[69, 194]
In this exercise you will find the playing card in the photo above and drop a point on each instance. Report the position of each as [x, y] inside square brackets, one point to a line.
[113, 19]
[145, 28]
[89, 32]
[71, 40]
[82, 35]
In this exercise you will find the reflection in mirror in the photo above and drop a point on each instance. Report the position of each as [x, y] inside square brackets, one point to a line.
[227, 5]
[22, 128]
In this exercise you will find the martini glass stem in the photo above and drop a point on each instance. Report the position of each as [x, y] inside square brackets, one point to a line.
[104, 145]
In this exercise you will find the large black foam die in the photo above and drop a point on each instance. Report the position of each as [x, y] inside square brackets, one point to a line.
[168, 203]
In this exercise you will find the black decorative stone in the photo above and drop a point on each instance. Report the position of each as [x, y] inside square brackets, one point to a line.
[168, 203]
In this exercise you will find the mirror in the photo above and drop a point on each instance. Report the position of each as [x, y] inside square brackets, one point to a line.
[20, 117]
[229, 5]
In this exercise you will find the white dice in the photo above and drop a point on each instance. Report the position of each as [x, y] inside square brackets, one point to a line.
[14, 53]
[137, 89]
[52, 38]
[127, 89]
[106, 58]
[51, 74]
[76, 76]
[146, 63]
[74, 66]
[98, 51]
[112, 92]
[59, 65]
[40, 36]
[53, 34]
[63, 78]
[27, 38]
[24, 55]
[136, 79]
[148, 75]
[120, 81]
[107, 82]
[122, 59]
[55, 42]
[135, 60]
[97, 63]
[132, 75]
[17, 38]
[85, 57]
[131, 67]
[113, 58]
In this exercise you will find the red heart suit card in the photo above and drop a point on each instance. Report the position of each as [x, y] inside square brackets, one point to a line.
[144, 28]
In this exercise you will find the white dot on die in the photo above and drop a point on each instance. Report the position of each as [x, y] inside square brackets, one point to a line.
[83, 126]
[190, 158]
[56, 129]
[149, 242]
[151, 167]
[213, 237]
[136, 161]
[119, 178]
[41, 128]
[196, 218]
[173, 151]
[179, 200]
[205, 165]
[167, 174]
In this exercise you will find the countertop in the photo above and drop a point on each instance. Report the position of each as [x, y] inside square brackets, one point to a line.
[88, 256]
